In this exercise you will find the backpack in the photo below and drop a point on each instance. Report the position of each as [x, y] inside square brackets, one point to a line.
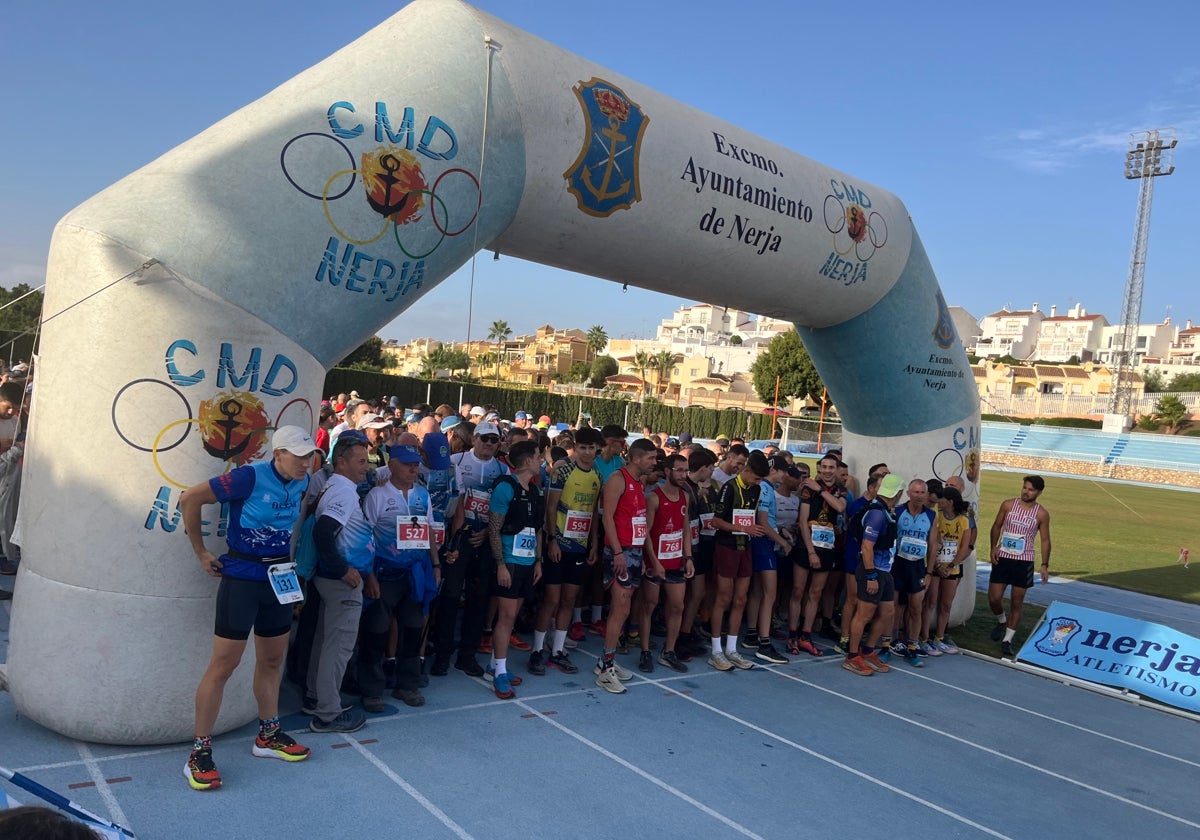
[305, 552]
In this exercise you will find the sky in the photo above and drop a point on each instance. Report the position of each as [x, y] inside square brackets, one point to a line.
[1003, 127]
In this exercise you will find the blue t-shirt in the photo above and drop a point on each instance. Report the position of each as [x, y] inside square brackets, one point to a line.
[912, 533]
[263, 509]
[766, 501]
[878, 526]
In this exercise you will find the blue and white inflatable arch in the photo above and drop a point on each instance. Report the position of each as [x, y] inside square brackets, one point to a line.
[260, 252]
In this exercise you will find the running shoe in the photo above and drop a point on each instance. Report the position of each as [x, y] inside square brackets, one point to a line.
[875, 662]
[913, 658]
[646, 662]
[410, 697]
[720, 661]
[749, 641]
[1006, 649]
[857, 665]
[374, 705]
[309, 706]
[808, 647]
[609, 680]
[200, 771]
[946, 645]
[348, 721]
[503, 687]
[517, 643]
[884, 654]
[668, 659]
[279, 744]
[701, 632]
[898, 647]
[623, 674]
[577, 633]
[998, 630]
[513, 679]
[842, 645]
[599, 627]
[562, 662]
[624, 643]
[740, 661]
[469, 666]
[537, 663]
[927, 648]
[485, 644]
[767, 653]
[793, 646]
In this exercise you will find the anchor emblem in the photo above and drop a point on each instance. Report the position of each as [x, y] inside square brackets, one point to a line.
[388, 180]
[943, 332]
[231, 408]
[611, 151]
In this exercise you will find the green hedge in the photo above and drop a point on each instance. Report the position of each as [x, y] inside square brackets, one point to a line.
[701, 422]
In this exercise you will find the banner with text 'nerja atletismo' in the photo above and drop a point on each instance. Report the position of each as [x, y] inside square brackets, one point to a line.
[1146, 658]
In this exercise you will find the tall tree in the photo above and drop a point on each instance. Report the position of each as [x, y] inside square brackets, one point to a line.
[499, 333]
[368, 356]
[663, 363]
[642, 362]
[786, 358]
[602, 368]
[596, 339]
[25, 313]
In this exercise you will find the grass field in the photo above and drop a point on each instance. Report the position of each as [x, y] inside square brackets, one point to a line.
[1117, 535]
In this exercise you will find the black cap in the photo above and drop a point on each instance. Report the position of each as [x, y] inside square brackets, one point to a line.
[612, 430]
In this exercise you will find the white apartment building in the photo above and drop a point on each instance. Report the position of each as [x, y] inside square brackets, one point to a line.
[1152, 340]
[1074, 335]
[1006, 333]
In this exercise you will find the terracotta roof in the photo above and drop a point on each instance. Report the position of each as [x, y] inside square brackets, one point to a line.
[1076, 373]
[710, 381]
[624, 379]
[1024, 371]
[1048, 371]
[979, 370]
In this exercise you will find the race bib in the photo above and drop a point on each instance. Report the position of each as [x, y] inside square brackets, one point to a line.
[412, 532]
[695, 530]
[439, 533]
[478, 503]
[670, 546]
[284, 583]
[639, 529]
[578, 525]
[1012, 543]
[706, 528]
[823, 536]
[743, 518]
[948, 552]
[525, 543]
[912, 548]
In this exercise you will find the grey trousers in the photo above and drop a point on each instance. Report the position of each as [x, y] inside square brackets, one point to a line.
[337, 629]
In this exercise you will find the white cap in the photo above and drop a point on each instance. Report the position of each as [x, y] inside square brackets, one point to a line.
[294, 440]
[487, 429]
[477, 411]
[373, 421]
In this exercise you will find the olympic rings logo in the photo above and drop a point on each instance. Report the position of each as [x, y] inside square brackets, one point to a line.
[233, 426]
[394, 187]
[854, 229]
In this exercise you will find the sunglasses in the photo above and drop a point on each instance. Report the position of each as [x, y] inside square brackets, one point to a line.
[490, 438]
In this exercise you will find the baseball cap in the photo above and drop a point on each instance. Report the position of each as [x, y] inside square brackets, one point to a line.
[890, 486]
[492, 417]
[476, 411]
[411, 417]
[437, 450]
[685, 438]
[373, 421]
[521, 415]
[722, 438]
[486, 428]
[404, 454]
[354, 395]
[294, 440]
[450, 422]
[780, 463]
[544, 419]
[673, 442]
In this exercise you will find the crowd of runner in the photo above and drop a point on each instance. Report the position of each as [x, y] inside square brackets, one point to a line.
[400, 542]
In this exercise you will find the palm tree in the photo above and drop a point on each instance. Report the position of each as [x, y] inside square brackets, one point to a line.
[642, 361]
[663, 362]
[432, 362]
[499, 333]
[483, 360]
[1172, 412]
[596, 339]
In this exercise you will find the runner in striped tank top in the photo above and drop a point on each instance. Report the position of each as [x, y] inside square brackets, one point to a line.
[1017, 523]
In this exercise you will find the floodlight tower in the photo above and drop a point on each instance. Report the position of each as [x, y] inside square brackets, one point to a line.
[1149, 155]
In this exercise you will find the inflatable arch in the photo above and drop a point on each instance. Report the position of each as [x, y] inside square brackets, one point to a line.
[216, 285]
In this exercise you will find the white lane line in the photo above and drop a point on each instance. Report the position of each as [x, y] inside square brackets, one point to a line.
[674, 791]
[1066, 723]
[1122, 799]
[115, 813]
[57, 765]
[437, 812]
[847, 768]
